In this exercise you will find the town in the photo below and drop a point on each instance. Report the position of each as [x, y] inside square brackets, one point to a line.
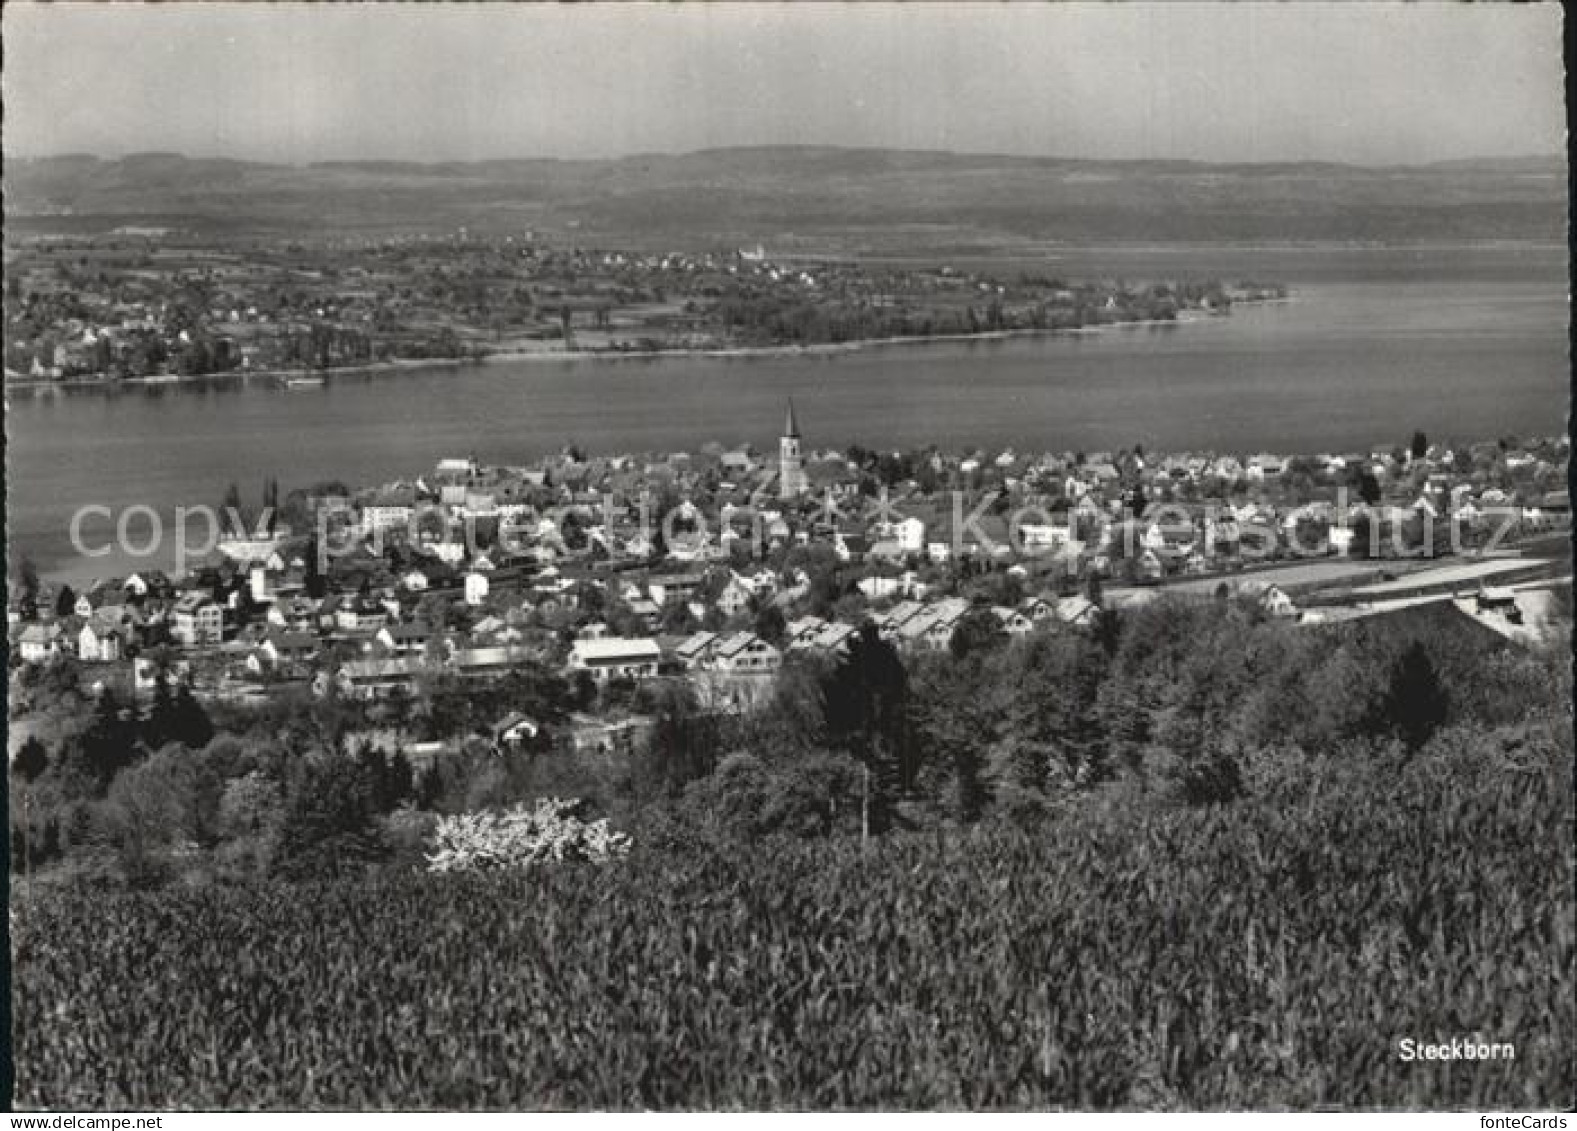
[148, 304]
[716, 568]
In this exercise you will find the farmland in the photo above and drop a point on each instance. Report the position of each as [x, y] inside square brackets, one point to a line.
[1266, 953]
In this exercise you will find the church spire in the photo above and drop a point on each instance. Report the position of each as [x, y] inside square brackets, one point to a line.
[791, 468]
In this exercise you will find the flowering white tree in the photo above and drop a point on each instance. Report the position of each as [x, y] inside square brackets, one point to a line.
[546, 832]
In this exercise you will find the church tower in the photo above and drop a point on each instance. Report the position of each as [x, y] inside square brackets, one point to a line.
[791, 467]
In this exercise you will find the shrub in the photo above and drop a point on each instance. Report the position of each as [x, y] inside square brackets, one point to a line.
[408, 832]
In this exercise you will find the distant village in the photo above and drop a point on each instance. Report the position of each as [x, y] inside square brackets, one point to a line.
[148, 304]
[719, 566]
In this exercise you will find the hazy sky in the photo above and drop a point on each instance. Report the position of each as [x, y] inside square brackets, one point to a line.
[1351, 82]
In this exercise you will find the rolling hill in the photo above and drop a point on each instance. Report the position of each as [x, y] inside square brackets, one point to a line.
[807, 195]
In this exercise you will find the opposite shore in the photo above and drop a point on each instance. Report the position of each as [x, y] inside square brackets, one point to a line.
[560, 356]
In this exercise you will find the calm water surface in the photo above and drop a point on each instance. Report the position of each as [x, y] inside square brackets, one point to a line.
[1343, 366]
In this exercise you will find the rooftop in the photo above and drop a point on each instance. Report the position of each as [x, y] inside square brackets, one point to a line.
[617, 648]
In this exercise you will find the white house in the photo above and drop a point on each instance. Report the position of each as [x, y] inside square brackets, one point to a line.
[735, 597]
[514, 730]
[745, 652]
[414, 581]
[876, 586]
[908, 533]
[1013, 622]
[1037, 609]
[1277, 603]
[388, 511]
[360, 616]
[97, 644]
[40, 643]
[1040, 536]
[1266, 466]
[850, 547]
[616, 657]
[299, 613]
[263, 659]
[1151, 568]
[680, 585]
[1270, 598]
[366, 679]
[476, 588]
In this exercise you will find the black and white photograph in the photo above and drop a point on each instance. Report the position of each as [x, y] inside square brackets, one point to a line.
[788, 557]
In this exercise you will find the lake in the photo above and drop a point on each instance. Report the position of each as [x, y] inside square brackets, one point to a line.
[1345, 365]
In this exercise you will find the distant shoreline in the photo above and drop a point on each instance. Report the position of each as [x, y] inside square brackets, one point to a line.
[833, 348]
[498, 357]
[174, 379]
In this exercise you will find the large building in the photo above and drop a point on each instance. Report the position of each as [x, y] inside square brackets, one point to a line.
[614, 657]
[791, 465]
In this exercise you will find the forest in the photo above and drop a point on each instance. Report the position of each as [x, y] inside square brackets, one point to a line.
[1181, 702]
